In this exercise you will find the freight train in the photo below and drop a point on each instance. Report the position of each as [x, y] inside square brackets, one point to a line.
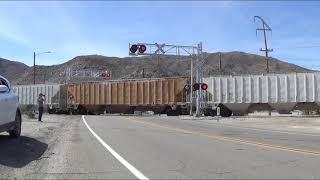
[161, 95]
[227, 95]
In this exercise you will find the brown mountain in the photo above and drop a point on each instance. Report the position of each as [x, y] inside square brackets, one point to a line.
[233, 63]
[12, 69]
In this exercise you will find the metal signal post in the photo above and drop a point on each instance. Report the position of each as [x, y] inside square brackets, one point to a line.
[175, 50]
[199, 79]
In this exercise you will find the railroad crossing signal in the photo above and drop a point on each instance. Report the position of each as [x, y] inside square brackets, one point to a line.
[106, 74]
[137, 49]
[197, 86]
[161, 49]
[195, 52]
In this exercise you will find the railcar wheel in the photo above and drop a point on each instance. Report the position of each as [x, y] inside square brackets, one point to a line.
[224, 111]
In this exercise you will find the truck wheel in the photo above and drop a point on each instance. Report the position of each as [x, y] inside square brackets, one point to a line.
[15, 133]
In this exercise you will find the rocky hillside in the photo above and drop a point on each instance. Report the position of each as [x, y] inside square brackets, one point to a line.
[233, 63]
[12, 69]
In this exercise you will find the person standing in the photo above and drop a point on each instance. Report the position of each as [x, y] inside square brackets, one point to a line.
[41, 100]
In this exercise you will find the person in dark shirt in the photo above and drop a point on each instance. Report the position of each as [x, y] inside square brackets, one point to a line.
[41, 100]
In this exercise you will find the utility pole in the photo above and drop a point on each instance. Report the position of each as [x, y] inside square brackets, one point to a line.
[34, 67]
[44, 77]
[220, 63]
[265, 27]
[34, 64]
[266, 47]
[142, 72]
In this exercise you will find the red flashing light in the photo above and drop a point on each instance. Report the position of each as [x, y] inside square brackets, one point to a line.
[134, 48]
[204, 86]
[104, 74]
[196, 86]
[142, 49]
[109, 74]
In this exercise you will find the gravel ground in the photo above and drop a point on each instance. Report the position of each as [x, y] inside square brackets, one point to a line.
[22, 157]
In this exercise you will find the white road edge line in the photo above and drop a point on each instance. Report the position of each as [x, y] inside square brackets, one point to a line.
[133, 170]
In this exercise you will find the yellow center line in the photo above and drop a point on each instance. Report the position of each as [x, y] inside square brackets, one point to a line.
[232, 139]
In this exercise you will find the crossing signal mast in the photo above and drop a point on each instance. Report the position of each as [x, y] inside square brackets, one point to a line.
[176, 50]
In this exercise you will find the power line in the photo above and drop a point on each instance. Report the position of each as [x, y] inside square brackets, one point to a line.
[298, 47]
[295, 59]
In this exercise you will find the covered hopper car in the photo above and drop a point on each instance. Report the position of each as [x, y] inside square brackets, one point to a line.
[161, 95]
[239, 95]
[56, 96]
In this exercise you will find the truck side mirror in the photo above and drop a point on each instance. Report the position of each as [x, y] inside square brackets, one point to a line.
[3, 88]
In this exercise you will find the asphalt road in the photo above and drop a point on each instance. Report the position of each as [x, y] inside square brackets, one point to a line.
[155, 147]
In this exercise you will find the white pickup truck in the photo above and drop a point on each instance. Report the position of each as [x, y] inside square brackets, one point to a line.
[10, 115]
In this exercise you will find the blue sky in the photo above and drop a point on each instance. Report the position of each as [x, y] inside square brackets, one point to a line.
[70, 28]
